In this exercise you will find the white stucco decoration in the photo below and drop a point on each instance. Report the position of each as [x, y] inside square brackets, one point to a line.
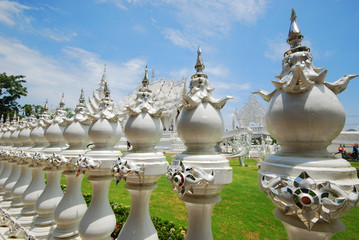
[72, 206]
[142, 166]
[105, 131]
[305, 115]
[200, 126]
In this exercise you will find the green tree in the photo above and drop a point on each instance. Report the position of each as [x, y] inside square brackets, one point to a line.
[28, 108]
[11, 89]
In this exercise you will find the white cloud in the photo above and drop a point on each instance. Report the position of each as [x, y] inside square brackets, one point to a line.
[117, 3]
[178, 38]
[48, 77]
[276, 48]
[11, 12]
[57, 35]
[139, 29]
[201, 20]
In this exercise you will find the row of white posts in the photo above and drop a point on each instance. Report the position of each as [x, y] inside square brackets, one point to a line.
[310, 187]
[32, 147]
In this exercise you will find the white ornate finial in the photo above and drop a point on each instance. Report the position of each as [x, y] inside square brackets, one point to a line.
[294, 36]
[144, 100]
[62, 101]
[199, 64]
[200, 90]
[46, 106]
[104, 78]
[145, 79]
[82, 97]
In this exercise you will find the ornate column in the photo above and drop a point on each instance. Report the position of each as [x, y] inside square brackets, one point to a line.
[2, 143]
[25, 172]
[47, 202]
[105, 131]
[142, 166]
[37, 184]
[199, 173]
[310, 187]
[72, 207]
[15, 169]
[5, 157]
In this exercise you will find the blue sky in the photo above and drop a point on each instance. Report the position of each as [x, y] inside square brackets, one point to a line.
[62, 46]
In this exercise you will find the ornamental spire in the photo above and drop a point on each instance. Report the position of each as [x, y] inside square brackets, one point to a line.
[104, 78]
[294, 36]
[62, 101]
[199, 64]
[145, 79]
[82, 97]
[46, 106]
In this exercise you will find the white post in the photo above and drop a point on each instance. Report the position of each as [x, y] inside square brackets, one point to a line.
[142, 166]
[47, 202]
[72, 207]
[37, 184]
[200, 173]
[99, 220]
[310, 187]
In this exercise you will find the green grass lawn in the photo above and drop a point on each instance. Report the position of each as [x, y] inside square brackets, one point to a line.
[244, 212]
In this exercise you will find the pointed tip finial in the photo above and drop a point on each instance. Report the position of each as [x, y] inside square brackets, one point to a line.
[153, 74]
[46, 106]
[104, 77]
[294, 36]
[199, 64]
[62, 101]
[82, 97]
[293, 15]
[145, 78]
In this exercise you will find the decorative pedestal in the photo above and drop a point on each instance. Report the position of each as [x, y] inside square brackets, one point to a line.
[200, 173]
[18, 190]
[72, 207]
[31, 195]
[310, 187]
[46, 204]
[37, 184]
[4, 175]
[9, 184]
[99, 220]
[142, 166]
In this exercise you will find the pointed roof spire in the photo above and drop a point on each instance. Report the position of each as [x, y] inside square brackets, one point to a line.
[82, 97]
[62, 101]
[106, 91]
[294, 36]
[153, 74]
[104, 78]
[145, 79]
[199, 64]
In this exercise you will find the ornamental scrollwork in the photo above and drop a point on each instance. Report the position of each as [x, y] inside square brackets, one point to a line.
[184, 179]
[311, 201]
